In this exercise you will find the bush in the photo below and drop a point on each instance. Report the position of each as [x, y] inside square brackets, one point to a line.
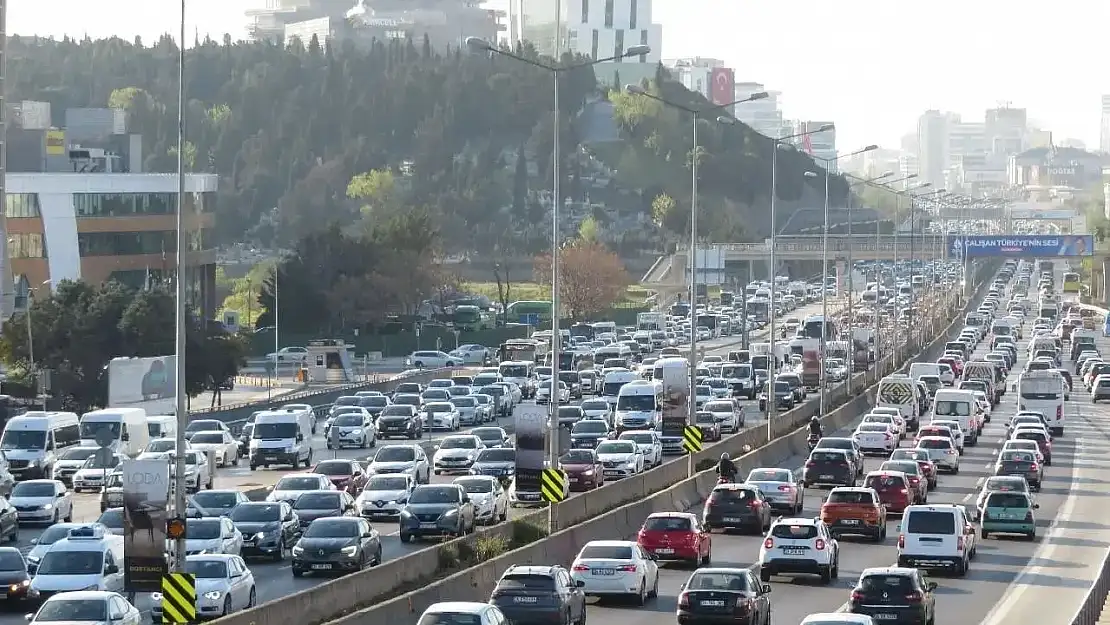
[525, 533]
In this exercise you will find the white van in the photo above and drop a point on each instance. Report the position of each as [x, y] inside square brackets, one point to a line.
[638, 405]
[33, 441]
[281, 437]
[1043, 392]
[126, 428]
[614, 381]
[937, 536]
[161, 426]
[919, 369]
[88, 558]
[901, 392]
[959, 406]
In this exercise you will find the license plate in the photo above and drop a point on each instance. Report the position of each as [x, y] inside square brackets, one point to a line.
[321, 567]
[826, 477]
[604, 571]
[849, 521]
[612, 473]
[427, 526]
[793, 551]
[885, 617]
[525, 599]
[731, 519]
[573, 480]
[714, 603]
[664, 551]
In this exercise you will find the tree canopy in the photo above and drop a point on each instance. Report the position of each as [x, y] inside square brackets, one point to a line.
[80, 327]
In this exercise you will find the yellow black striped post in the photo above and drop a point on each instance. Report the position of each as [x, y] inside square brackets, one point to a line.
[691, 439]
[179, 598]
[552, 483]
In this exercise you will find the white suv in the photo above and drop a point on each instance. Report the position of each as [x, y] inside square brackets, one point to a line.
[937, 536]
[800, 546]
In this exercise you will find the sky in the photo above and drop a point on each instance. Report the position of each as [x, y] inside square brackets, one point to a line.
[871, 67]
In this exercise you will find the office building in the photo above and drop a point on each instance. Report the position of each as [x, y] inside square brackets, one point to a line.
[695, 73]
[820, 145]
[1006, 129]
[764, 116]
[1104, 134]
[593, 28]
[933, 146]
[965, 139]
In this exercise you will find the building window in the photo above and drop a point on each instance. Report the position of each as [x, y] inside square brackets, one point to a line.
[125, 204]
[22, 205]
[632, 14]
[585, 11]
[608, 13]
[618, 44]
[26, 246]
[593, 47]
[126, 243]
[643, 42]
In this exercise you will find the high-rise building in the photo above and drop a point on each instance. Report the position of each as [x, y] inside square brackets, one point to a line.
[7, 283]
[764, 116]
[820, 145]
[1104, 135]
[932, 146]
[695, 73]
[594, 28]
[965, 139]
[1006, 129]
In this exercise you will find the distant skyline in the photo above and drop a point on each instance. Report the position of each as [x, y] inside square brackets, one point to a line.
[888, 62]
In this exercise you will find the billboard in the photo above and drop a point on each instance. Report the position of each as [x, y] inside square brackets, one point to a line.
[146, 494]
[148, 383]
[1038, 245]
[55, 142]
[722, 85]
[676, 395]
[531, 423]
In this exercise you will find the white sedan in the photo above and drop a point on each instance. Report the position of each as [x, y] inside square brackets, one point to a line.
[876, 438]
[288, 354]
[618, 568]
[441, 415]
[543, 392]
[649, 443]
[220, 443]
[42, 501]
[224, 585]
[491, 502]
[471, 354]
[620, 458]
[290, 487]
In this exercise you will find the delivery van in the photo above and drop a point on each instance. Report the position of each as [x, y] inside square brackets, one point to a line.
[124, 428]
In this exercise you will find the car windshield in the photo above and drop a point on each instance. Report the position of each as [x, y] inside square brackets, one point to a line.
[203, 529]
[705, 417]
[450, 618]
[461, 442]
[931, 522]
[475, 485]
[334, 468]
[616, 447]
[731, 495]
[256, 513]
[435, 494]
[395, 454]
[493, 435]
[33, 489]
[97, 461]
[56, 610]
[296, 482]
[333, 528]
[722, 581]
[349, 419]
[640, 438]
[802, 532]
[578, 456]
[909, 468]
[206, 569]
[397, 410]
[161, 446]
[497, 455]
[1005, 483]
[718, 406]
[376, 401]
[595, 404]
[770, 475]
[53, 534]
[667, 524]
[952, 408]
[464, 402]
[84, 453]
[1007, 500]
[851, 497]
[387, 482]
[590, 427]
[935, 443]
[273, 431]
[207, 437]
[349, 400]
[1016, 456]
[439, 407]
[216, 499]
[605, 552]
[69, 562]
[317, 501]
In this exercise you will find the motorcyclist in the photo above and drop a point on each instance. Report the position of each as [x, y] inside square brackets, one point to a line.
[726, 468]
[815, 427]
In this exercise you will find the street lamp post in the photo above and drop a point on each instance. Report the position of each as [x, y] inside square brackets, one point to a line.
[477, 44]
[851, 272]
[696, 115]
[915, 327]
[878, 267]
[181, 398]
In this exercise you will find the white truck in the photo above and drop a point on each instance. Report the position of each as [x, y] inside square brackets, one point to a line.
[1043, 392]
[651, 321]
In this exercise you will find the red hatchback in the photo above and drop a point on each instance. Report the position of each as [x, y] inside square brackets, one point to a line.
[894, 491]
[347, 475]
[676, 536]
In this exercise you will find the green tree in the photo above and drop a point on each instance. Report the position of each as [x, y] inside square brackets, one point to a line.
[589, 231]
[377, 189]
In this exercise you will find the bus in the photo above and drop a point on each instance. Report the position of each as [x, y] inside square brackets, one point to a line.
[469, 318]
[1071, 282]
[523, 310]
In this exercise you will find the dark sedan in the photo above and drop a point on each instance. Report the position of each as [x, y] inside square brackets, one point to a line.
[437, 510]
[737, 506]
[323, 504]
[724, 595]
[269, 528]
[784, 397]
[583, 469]
[347, 475]
[829, 467]
[1022, 464]
[14, 578]
[709, 426]
[339, 544]
[586, 434]
[400, 421]
[214, 503]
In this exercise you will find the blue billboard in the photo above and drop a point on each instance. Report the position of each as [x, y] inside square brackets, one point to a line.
[1038, 245]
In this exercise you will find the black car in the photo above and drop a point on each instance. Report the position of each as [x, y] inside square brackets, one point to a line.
[244, 440]
[784, 397]
[323, 504]
[213, 503]
[539, 594]
[14, 577]
[719, 595]
[437, 510]
[737, 506]
[269, 528]
[829, 466]
[796, 386]
[848, 445]
[400, 421]
[894, 595]
[337, 544]
[586, 434]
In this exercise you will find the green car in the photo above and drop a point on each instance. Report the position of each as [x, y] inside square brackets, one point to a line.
[1009, 513]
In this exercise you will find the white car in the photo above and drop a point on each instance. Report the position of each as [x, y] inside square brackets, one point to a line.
[352, 429]
[491, 502]
[543, 392]
[724, 411]
[160, 448]
[198, 473]
[621, 458]
[407, 459]
[443, 383]
[895, 423]
[597, 409]
[528, 499]
[385, 495]
[289, 487]
[797, 545]
[91, 607]
[1023, 445]
[958, 434]
[942, 451]
[93, 472]
[212, 535]
[651, 446]
[288, 354]
[876, 438]
[432, 360]
[456, 454]
[42, 501]
[616, 568]
[471, 354]
[70, 461]
[468, 409]
[835, 370]
[221, 444]
[224, 585]
[440, 415]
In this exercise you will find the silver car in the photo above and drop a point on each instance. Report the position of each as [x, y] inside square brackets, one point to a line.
[467, 408]
[942, 451]
[782, 490]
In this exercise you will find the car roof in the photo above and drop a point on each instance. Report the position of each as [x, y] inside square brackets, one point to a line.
[610, 543]
[671, 515]
[888, 570]
[466, 607]
[795, 521]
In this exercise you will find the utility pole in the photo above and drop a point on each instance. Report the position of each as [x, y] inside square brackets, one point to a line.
[179, 285]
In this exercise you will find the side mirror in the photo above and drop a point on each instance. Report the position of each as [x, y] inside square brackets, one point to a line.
[969, 530]
[111, 569]
[31, 617]
[898, 528]
[931, 585]
[1036, 506]
[287, 518]
[34, 541]
[435, 447]
[300, 438]
[766, 588]
[580, 583]
[368, 535]
[125, 437]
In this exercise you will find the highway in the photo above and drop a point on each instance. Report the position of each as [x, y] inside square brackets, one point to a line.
[274, 579]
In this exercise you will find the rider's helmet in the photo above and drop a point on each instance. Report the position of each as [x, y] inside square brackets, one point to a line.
[724, 456]
[814, 419]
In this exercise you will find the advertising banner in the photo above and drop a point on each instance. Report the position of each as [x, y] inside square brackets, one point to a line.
[1034, 245]
[55, 142]
[676, 396]
[722, 89]
[531, 423]
[146, 494]
[148, 383]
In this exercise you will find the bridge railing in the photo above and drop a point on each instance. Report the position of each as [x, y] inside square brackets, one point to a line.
[838, 243]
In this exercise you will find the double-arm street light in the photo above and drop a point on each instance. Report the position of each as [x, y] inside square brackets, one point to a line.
[823, 397]
[851, 270]
[477, 44]
[696, 114]
[914, 327]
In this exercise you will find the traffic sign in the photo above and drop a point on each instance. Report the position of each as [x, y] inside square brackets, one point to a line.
[175, 528]
[530, 319]
[691, 439]
[179, 598]
[553, 485]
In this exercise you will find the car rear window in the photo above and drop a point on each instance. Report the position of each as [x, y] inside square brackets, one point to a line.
[931, 522]
[900, 584]
[936, 444]
[851, 496]
[730, 494]
[885, 482]
[828, 456]
[1031, 436]
[1007, 500]
[606, 552]
[797, 532]
[526, 582]
[667, 524]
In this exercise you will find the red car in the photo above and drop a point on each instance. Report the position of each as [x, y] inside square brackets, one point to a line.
[347, 475]
[893, 488]
[583, 469]
[922, 457]
[956, 364]
[676, 536]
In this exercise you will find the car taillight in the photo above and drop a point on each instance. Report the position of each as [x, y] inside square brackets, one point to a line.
[628, 568]
[901, 541]
[581, 567]
[684, 600]
[857, 596]
[786, 489]
[1029, 515]
[768, 544]
[887, 436]
[915, 597]
[819, 544]
[959, 543]
[811, 464]
[755, 504]
[1059, 412]
[744, 606]
[905, 491]
[1033, 467]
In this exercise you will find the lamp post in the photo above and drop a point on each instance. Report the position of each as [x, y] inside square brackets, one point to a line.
[477, 44]
[897, 346]
[851, 272]
[181, 397]
[696, 115]
[915, 328]
[878, 267]
[31, 348]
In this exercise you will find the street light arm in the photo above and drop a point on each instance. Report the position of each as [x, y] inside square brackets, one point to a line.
[638, 90]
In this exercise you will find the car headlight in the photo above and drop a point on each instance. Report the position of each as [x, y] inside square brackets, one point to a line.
[350, 551]
[406, 514]
[48, 507]
[588, 473]
[631, 464]
[213, 595]
[156, 597]
[451, 512]
[260, 536]
[297, 550]
[34, 559]
[92, 587]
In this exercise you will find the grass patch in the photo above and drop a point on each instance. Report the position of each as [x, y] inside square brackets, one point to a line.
[534, 291]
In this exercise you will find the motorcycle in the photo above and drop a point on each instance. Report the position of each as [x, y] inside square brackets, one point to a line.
[813, 440]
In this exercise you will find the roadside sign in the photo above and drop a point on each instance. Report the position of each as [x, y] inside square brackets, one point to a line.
[552, 484]
[179, 598]
[691, 439]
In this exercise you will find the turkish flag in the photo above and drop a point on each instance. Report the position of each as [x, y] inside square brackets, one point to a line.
[722, 89]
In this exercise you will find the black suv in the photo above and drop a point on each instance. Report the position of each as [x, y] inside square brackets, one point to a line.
[829, 466]
[400, 421]
[894, 595]
[535, 594]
